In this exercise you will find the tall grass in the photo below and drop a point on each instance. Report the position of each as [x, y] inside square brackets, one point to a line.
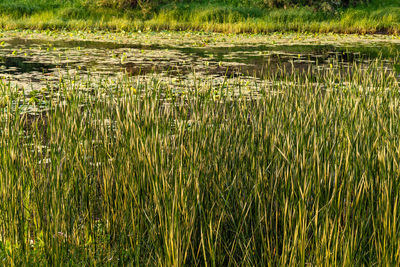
[380, 16]
[138, 173]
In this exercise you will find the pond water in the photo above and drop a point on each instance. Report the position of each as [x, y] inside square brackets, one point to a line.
[32, 60]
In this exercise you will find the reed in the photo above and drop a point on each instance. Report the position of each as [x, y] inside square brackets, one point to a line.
[306, 171]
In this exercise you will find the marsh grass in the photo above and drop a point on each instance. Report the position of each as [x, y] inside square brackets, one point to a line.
[380, 16]
[135, 173]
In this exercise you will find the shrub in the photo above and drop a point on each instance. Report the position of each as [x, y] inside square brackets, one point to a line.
[317, 3]
[117, 3]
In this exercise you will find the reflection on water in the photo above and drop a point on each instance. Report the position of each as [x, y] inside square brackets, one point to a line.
[19, 65]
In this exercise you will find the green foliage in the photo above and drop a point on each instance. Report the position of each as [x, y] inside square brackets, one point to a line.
[148, 5]
[118, 3]
[229, 16]
[317, 3]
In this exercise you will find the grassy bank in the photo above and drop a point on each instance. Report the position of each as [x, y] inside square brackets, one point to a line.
[380, 16]
[137, 172]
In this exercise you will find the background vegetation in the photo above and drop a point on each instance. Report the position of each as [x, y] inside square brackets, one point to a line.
[353, 16]
[259, 3]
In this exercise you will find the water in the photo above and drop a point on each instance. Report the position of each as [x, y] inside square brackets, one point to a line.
[33, 62]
